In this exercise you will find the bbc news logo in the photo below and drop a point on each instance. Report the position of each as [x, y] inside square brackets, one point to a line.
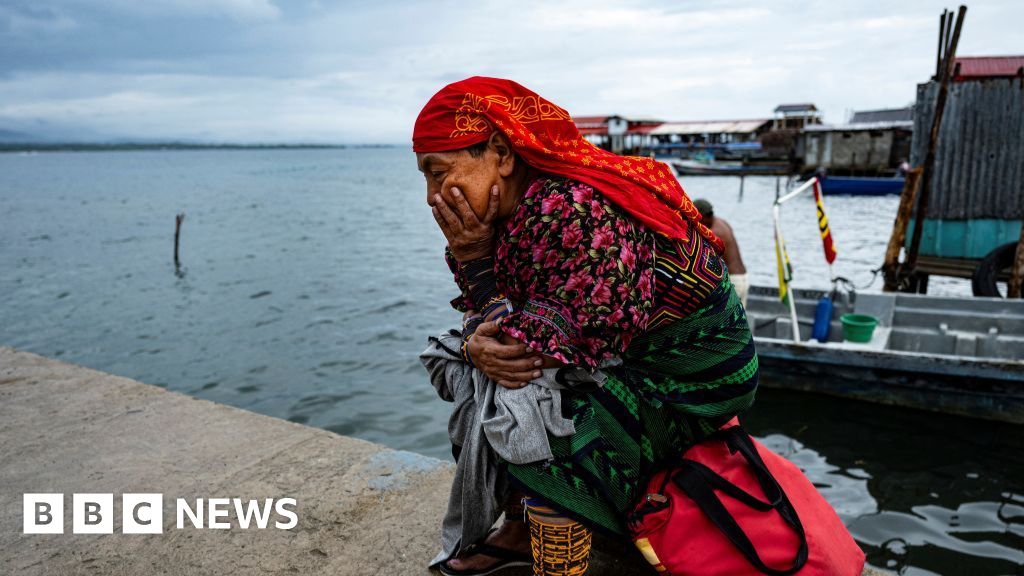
[144, 513]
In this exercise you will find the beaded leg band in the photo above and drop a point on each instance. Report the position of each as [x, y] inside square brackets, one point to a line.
[558, 549]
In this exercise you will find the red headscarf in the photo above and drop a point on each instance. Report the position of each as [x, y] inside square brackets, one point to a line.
[467, 112]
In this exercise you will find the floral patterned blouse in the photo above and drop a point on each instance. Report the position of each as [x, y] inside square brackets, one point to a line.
[581, 274]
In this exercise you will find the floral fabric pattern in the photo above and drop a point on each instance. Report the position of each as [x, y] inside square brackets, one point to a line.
[579, 273]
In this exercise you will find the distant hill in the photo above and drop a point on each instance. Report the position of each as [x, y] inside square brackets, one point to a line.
[18, 144]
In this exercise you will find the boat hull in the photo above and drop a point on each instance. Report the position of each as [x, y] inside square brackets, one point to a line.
[851, 186]
[698, 169]
[978, 389]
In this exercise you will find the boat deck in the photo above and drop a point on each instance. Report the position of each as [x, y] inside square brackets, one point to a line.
[955, 355]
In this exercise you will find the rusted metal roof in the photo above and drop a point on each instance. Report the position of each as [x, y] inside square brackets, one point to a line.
[971, 67]
[710, 127]
[590, 121]
[643, 128]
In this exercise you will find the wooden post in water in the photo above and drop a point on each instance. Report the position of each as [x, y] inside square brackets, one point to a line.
[177, 233]
[1013, 287]
[890, 269]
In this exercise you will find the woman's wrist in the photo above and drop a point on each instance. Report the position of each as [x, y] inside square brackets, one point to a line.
[470, 324]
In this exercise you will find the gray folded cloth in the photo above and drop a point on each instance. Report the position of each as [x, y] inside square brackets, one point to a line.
[487, 421]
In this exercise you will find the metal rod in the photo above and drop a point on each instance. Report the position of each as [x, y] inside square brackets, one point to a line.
[799, 190]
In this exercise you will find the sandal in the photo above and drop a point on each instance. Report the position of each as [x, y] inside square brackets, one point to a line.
[506, 559]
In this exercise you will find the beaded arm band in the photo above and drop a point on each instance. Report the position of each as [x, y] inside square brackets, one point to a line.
[483, 290]
[479, 275]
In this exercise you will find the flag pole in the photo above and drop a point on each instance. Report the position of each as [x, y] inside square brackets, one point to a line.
[782, 258]
[783, 263]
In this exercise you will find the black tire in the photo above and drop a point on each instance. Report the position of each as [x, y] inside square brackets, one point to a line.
[983, 281]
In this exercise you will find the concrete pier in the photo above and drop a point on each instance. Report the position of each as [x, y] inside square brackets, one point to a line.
[362, 508]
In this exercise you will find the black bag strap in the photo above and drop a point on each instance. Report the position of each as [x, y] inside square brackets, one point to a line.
[739, 441]
[715, 481]
[699, 482]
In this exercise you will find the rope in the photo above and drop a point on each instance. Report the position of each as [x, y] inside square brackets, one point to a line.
[849, 286]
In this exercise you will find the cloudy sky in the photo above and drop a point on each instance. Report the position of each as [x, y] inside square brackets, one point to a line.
[350, 72]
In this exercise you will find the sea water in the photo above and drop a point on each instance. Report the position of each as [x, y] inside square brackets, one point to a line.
[309, 281]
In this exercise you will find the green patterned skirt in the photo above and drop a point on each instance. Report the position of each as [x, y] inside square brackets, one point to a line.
[676, 384]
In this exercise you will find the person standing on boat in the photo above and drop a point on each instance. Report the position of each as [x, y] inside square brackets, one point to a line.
[566, 255]
[733, 260]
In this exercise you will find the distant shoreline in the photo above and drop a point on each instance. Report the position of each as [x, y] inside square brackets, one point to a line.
[130, 146]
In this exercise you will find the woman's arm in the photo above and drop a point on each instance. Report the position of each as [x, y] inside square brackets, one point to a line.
[470, 245]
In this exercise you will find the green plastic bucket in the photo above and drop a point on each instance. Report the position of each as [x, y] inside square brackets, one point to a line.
[858, 327]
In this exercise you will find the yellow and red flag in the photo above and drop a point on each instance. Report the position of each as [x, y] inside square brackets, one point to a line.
[826, 233]
[784, 269]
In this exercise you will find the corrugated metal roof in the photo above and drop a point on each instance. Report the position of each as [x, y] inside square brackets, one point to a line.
[710, 127]
[590, 121]
[906, 125]
[643, 119]
[796, 108]
[972, 67]
[979, 156]
[643, 128]
[886, 115]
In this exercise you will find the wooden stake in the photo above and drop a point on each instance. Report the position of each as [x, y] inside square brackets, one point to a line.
[177, 233]
[890, 269]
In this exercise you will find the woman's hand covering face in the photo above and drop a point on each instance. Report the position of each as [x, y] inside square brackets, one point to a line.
[511, 364]
[468, 236]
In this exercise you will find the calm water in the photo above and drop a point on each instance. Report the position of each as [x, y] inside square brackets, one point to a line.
[311, 278]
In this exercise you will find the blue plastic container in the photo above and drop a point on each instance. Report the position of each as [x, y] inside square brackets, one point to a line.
[822, 319]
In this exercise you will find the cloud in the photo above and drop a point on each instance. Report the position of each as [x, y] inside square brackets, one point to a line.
[250, 70]
[21, 21]
[241, 10]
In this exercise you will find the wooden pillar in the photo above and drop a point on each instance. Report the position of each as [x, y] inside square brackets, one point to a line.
[929, 159]
[890, 268]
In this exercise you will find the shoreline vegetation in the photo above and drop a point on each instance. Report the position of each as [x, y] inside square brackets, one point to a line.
[6, 147]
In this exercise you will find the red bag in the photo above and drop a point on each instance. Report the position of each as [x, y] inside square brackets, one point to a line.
[733, 507]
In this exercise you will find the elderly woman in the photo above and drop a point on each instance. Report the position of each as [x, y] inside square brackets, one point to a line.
[568, 255]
